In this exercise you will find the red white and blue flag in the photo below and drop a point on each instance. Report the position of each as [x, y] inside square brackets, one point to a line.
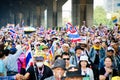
[41, 30]
[53, 32]
[51, 51]
[10, 26]
[13, 33]
[72, 33]
[29, 58]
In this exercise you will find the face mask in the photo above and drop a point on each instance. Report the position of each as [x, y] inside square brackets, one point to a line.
[39, 64]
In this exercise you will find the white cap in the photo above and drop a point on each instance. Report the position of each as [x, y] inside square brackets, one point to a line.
[110, 48]
[96, 40]
[37, 43]
[65, 44]
[84, 58]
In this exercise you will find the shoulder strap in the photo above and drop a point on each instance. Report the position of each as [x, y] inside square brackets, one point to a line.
[19, 60]
[74, 58]
[34, 67]
[87, 54]
[89, 57]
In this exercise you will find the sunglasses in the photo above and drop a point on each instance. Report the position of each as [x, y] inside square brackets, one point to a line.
[66, 59]
[97, 42]
[38, 45]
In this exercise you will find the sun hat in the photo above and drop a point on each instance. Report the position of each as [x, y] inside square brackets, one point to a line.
[84, 58]
[59, 63]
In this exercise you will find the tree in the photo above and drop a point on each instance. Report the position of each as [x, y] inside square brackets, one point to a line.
[100, 16]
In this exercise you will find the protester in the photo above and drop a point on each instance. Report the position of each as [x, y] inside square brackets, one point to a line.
[73, 74]
[66, 58]
[104, 44]
[110, 53]
[49, 43]
[11, 60]
[70, 45]
[115, 45]
[57, 57]
[84, 69]
[96, 54]
[74, 60]
[66, 48]
[2, 65]
[37, 71]
[37, 47]
[59, 69]
[116, 27]
[58, 50]
[107, 72]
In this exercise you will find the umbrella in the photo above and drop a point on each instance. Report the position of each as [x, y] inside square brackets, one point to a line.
[29, 29]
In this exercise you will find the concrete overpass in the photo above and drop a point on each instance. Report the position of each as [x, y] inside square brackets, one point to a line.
[32, 12]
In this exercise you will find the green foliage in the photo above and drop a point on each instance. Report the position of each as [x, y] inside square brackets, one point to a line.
[100, 16]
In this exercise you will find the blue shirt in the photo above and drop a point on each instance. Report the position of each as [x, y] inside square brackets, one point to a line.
[11, 61]
[2, 67]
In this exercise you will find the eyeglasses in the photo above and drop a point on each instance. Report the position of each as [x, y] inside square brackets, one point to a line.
[66, 59]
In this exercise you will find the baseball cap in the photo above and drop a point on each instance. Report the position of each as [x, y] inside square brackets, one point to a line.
[96, 40]
[73, 71]
[110, 49]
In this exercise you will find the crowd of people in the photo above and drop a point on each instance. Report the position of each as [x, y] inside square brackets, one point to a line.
[51, 54]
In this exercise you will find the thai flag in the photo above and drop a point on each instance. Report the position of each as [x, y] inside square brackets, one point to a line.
[10, 26]
[51, 52]
[41, 29]
[68, 26]
[72, 33]
[13, 33]
[53, 32]
[29, 58]
[91, 31]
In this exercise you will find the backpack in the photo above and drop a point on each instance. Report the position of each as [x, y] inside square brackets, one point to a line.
[21, 62]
